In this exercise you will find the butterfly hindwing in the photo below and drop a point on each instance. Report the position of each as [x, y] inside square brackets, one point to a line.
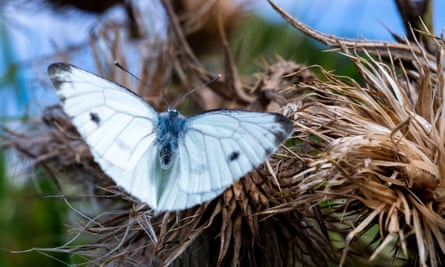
[221, 146]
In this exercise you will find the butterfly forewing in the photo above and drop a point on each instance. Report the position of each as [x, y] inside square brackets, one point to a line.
[223, 145]
[117, 125]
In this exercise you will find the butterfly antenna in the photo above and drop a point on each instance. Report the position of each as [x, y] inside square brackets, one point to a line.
[117, 64]
[196, 88]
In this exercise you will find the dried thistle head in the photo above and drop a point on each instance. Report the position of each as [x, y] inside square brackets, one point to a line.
[380, 148]
[382, 153]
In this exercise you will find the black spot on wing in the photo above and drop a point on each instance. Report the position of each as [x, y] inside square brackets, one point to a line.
[94, 117]
[62, 99]
[234, 155]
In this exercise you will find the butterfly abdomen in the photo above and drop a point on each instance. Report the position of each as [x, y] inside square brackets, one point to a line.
[165, 156]
[171, 128]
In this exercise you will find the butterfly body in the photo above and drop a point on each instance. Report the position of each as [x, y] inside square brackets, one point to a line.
[171, 128]
[165, 159]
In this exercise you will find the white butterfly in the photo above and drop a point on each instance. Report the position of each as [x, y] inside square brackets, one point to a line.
[164, 159]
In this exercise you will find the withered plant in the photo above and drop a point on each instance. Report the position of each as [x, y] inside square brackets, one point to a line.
[359, 181]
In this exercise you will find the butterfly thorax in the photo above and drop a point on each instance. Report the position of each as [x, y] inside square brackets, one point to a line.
[170, 131]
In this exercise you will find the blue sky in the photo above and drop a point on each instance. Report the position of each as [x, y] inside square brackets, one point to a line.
[33, 35]
[349, 18]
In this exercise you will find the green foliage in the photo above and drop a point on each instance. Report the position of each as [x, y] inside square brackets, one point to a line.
[3, 207]
[29, 221]
[258, 41]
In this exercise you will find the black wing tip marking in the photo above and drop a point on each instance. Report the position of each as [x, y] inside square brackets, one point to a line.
[287, 128]
[54, 70]
[288, 125]
[57, 67]
[268, 151]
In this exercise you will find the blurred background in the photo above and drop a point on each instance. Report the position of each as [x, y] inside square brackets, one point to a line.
[34, 34]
